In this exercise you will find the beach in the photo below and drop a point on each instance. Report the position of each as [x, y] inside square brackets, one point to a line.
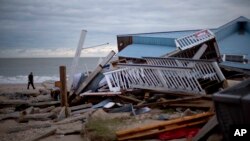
[7, 126]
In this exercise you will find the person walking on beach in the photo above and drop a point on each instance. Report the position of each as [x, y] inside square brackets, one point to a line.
[30, 81]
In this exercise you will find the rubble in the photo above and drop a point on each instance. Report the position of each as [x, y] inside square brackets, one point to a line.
[151, 98]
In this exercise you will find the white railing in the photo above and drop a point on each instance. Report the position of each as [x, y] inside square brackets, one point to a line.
[194, 39]
[153, 77]
[202, 68]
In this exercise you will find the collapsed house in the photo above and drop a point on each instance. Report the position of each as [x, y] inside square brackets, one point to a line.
[233, 39]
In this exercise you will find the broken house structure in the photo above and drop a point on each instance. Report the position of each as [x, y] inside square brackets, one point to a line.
[184, 61]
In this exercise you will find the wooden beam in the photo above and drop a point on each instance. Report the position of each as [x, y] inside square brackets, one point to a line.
[100, 94]
[163, 124]
[64, 97]
[169, 101]
[43, 135]
[130, 99]
[45, 104]
[155, 132]
[94, 73]
[83, 106]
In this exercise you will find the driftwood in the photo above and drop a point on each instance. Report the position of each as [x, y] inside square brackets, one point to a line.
[13, 102]
[72, 119]
[7, 110]
[27, 111]
[83, 106]
[70, 128]
[44, 134]
[40, 116]
[82, 111]
[27, 127]
[10, 115]
[45, 104]
[164, 126]
[48, 109]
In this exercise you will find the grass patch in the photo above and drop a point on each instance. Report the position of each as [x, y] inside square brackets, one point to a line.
[102, 129]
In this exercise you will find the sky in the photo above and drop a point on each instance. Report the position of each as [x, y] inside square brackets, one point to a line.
[51, 28]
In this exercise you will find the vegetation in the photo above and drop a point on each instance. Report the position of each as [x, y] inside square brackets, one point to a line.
[102, 129]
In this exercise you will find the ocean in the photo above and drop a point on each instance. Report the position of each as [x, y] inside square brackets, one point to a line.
[16, 70]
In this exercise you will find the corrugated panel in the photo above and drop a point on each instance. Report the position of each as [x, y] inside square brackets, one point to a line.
[140, 50]
[153, 41]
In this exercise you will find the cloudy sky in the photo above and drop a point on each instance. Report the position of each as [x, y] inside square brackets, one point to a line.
[51, 28]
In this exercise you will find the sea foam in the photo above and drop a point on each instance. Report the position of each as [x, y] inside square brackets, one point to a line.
[24, 79]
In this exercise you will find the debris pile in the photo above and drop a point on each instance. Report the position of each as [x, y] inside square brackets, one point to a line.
[160, 98]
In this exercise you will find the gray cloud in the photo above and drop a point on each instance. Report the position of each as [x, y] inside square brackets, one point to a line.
[46, 24]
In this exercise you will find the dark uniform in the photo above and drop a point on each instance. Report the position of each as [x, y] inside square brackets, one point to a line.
[31, 81]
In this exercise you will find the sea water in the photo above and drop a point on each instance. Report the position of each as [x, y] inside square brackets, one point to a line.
[16, 70]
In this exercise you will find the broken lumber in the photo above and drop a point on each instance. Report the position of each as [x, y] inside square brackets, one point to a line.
[83, 111]
[40, 116]
[27, 111]
[95, 72]
[45, 104]
[83, 106]
[27, 127]
[178, 100]
[72, 119]
[10, 115]
[163, 126]
[44, 134]
[13, 102]
[61, 114]
[100, 94]
[48, 109]
[130, 99]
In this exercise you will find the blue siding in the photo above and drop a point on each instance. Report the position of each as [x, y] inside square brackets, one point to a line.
[236, 44]
[153, 41]
[226, 31]
[248, 27]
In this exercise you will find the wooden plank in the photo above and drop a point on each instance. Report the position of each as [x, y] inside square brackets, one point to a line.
[27, 127]
[45, 104]
[44, 134]
[73, 119]
[166, 129]
[83, 106]
[40, 116]
[169, 101]
[14, 102]
[95, 72]
[163, 124]
[208, 127]
[100, 94]
[130, 99]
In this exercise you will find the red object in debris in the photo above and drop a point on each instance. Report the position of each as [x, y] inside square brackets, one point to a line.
[179, 133]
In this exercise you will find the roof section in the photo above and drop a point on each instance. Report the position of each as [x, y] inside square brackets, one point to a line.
[236, 44]
[141, 50]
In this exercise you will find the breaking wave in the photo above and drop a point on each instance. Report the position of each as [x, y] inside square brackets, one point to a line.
[24, 79]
